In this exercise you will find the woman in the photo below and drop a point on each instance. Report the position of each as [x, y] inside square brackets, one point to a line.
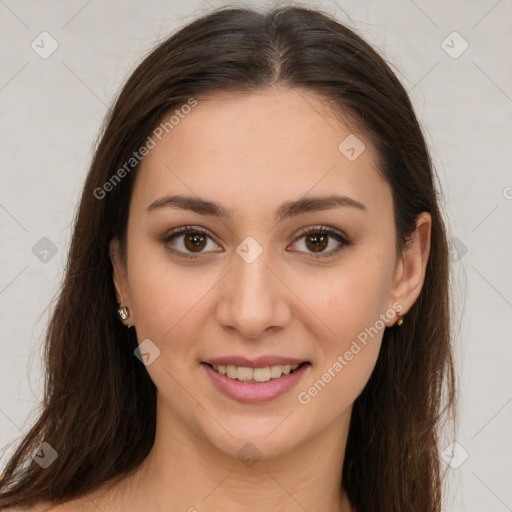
[255, 311]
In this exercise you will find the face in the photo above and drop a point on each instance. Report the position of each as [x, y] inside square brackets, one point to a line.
[256, 281]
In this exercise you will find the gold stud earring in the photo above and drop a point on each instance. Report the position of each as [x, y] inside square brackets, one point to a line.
[400, 320]
[123, 313]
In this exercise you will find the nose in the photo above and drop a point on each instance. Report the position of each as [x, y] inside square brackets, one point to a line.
[254, 299]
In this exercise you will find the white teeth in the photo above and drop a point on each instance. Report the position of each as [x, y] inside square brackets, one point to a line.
[275, 371]
[261, 374]
[231, 371]
[258, 374]
[244, 373]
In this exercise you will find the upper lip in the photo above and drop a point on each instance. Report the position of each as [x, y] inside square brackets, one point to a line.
[258, 362]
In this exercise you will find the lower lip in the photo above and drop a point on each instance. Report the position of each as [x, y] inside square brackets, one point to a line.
[255, 393]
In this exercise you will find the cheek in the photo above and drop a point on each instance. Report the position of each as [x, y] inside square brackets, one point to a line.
[347, 355]
[352, 304]
[349, 298]
[165, 298]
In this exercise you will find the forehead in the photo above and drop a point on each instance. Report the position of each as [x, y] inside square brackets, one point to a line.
[248, 151]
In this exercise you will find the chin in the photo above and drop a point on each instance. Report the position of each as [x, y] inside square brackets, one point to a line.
[254, 439]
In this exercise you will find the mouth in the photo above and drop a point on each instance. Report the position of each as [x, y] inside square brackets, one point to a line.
[255, 384]
[258, 375]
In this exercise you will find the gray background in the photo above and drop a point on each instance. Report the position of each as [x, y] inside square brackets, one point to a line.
[51, 111]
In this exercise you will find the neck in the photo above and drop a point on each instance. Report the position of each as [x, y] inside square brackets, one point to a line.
[184, 471]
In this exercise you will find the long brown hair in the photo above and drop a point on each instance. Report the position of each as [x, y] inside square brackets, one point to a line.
[98, 411]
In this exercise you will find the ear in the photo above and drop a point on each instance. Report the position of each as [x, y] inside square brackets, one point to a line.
[119, 275]
[411, 268]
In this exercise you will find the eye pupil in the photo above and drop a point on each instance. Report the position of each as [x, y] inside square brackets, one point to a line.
[319, 242]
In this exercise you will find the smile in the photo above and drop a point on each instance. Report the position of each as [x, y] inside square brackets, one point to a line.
[264, 374]
[255, 385]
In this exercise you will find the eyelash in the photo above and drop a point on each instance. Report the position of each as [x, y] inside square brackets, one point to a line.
[322, 230]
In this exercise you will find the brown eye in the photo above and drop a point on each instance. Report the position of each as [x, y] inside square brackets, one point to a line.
[317, 242]
[189, 242]
[195, 242]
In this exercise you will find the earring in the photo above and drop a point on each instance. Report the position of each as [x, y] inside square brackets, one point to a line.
[123, 313]
[400, 320]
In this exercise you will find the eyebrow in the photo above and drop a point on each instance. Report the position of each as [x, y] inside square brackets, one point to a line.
[287, 210]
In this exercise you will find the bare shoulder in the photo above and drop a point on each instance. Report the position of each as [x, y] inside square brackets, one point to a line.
[93, 501]
[47, 506]
[38, 507]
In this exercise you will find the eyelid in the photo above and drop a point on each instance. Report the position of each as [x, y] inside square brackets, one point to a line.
[183, 230]
[321, 228]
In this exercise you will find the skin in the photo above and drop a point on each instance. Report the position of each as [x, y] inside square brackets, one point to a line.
[250, 154]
